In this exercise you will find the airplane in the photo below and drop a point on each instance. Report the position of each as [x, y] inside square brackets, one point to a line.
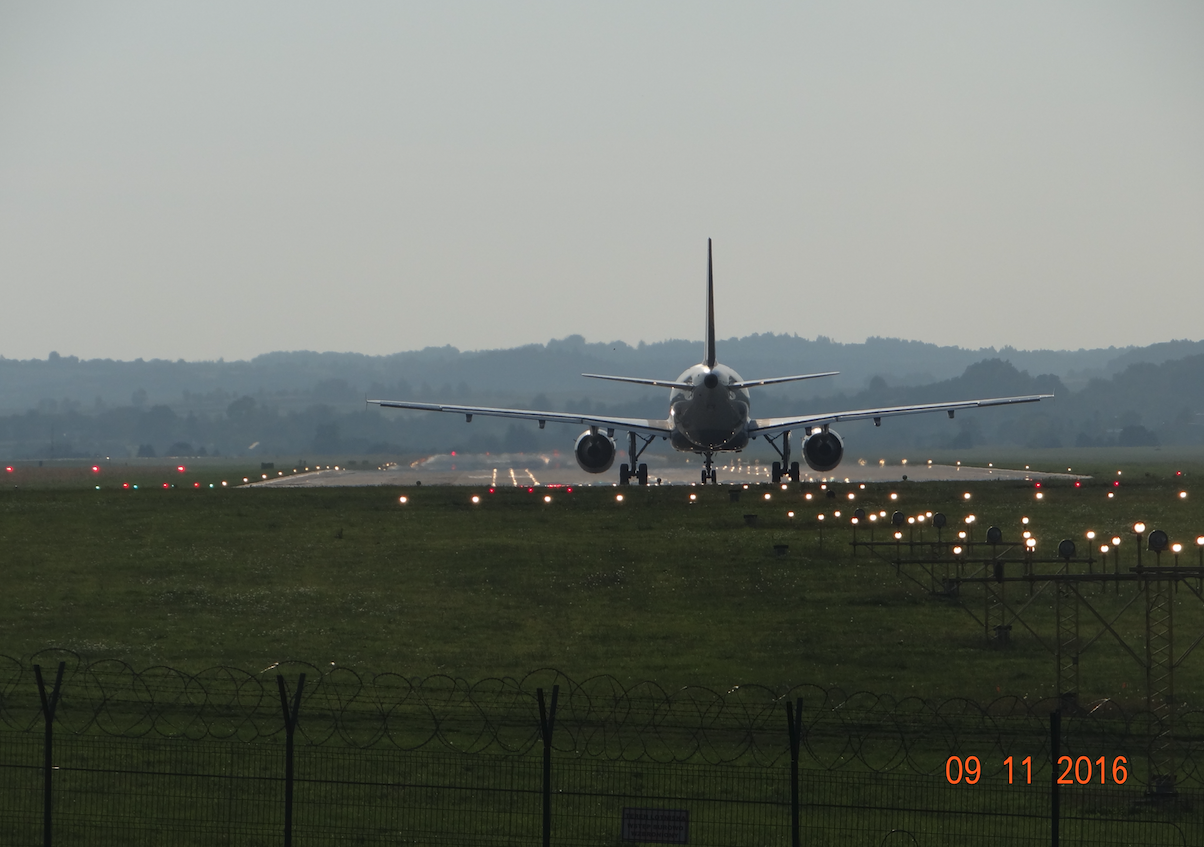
[709, 413]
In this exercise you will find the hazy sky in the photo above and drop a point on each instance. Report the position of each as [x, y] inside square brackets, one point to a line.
[225, 179]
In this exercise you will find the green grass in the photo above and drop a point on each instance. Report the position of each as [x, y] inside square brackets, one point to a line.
[652, 588]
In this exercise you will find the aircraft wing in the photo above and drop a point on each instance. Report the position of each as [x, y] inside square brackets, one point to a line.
[645, 425]
[772, 426]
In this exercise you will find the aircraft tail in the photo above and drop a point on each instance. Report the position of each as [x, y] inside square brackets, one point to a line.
[710, 334]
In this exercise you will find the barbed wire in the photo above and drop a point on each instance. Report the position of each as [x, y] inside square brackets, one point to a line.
[599, 717]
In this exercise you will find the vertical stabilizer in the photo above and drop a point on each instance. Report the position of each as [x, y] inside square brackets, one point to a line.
[710, 342]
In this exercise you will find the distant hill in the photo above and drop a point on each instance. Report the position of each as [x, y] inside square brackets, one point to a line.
[308, 402]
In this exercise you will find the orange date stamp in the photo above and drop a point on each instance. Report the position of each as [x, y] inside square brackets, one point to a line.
[1074, 771]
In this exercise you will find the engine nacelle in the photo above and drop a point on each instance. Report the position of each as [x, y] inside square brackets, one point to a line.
[594, 451]
[823, 450]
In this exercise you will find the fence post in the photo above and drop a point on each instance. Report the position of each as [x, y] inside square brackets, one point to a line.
[794, 724]
[49, 705]
[1055, 739]
[290, 724]
[547, 722]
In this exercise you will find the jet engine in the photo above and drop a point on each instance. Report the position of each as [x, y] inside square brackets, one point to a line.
[823, 450]
[595, 452]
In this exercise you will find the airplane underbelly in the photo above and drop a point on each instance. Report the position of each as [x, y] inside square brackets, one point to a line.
[710, 426]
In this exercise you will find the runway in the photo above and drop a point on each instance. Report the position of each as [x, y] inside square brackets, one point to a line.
[544, 469]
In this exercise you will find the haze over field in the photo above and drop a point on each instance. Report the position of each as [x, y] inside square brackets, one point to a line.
[225, 180]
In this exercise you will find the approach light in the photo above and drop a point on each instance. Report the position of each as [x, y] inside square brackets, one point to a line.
[223, 483]
[768, 496]
[820, 517]
[962, 535]
[1176, 548]
[911, 520]
[1031, 543]
[1103, 548]
[618, 498]
[862, 486]
[790, 514]
[894, 496]
[1040, 496]
[966, 496]
[854, 521]
[1110, 495]
[807, 496]
[693, 497]
[1026, 534]
[969, 519]
[547, 498]
[1090, 534]
[1139, 528]
[476, 499]
[1024, 521]
[873, 517]
[1182, 495]
[919, 518]
[882, 514]
[1200, 540]
[403, 499]
[836, 514]
[898, 535]
[1116, 541]
[852, 496]
[957, 551]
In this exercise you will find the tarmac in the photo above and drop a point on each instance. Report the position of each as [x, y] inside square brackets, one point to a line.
[545, 469]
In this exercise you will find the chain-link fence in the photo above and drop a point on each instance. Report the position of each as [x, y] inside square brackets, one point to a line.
[106, 754]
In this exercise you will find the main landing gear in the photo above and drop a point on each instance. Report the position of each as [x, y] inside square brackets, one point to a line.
[641, 470]
[708, 472]
[784, 468]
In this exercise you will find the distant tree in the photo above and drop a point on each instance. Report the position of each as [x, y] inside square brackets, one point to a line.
[1136, 435]
[146, 451]
[241, 409]
[180, 448]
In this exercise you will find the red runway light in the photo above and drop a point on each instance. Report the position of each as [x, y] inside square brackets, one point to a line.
[9, 468]
[196, 485]
[1078, 484]
[453, 452]
[1038, 485]
[165, 485]
[1116, 483]
[530, 490]
[491, 491]
[96, 469]
[125, 485]
[180, 468]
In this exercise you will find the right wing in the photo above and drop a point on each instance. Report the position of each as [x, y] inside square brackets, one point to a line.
[772, 426]
[645, 425]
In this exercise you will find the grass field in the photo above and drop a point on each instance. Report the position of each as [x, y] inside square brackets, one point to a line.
[655, 587]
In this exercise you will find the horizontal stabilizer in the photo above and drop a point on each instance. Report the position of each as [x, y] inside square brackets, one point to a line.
[752, 383]
[658, 383]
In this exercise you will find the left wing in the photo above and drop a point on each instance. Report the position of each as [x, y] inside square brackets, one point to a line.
[646, 425]
[772, 426]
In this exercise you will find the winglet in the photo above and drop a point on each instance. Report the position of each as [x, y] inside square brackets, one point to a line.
[710, 353]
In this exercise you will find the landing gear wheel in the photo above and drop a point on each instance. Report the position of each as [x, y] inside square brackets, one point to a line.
[705, 476]
[624, 474]
[641, 474]
[714, 477]
[794, 472]
[777, 472]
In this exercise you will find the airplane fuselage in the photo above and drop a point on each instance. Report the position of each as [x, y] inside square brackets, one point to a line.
[711, 416]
